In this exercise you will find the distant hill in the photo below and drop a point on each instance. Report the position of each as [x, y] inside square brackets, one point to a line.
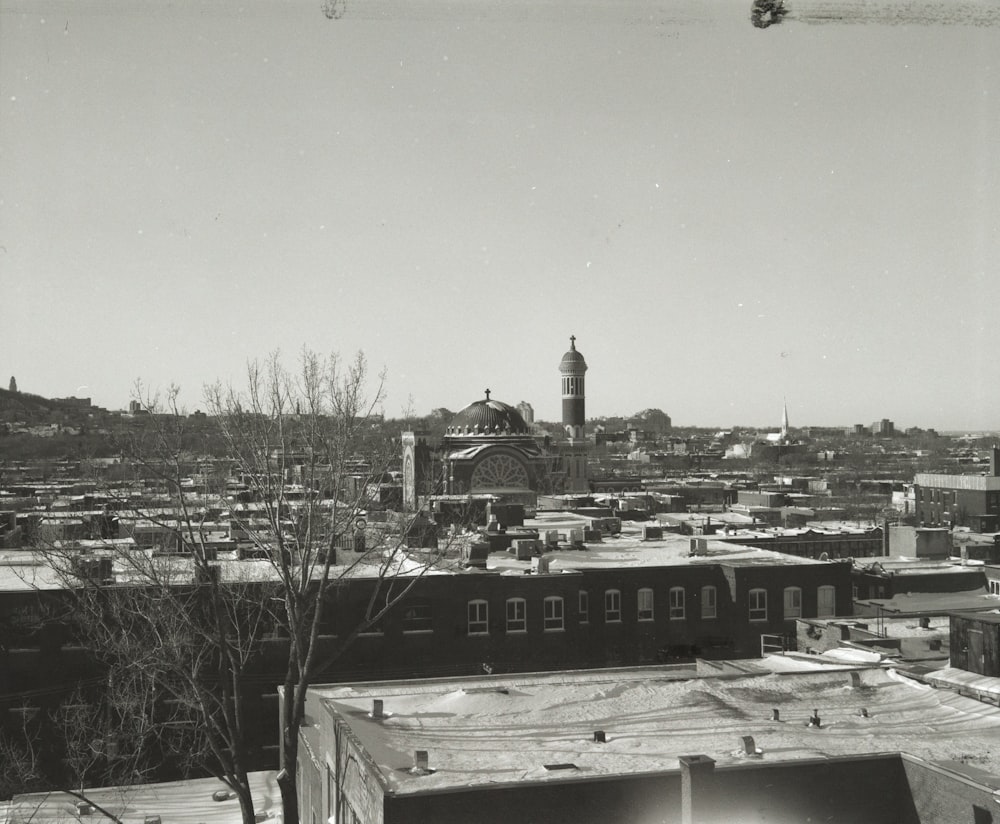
[23, 406]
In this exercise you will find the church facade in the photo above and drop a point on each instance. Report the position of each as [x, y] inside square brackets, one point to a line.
[490, 451]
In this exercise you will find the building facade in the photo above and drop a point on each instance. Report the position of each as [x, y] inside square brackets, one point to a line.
[960, 500]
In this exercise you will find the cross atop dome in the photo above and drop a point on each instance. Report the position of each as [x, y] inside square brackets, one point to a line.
[487, 394]
[572, 342]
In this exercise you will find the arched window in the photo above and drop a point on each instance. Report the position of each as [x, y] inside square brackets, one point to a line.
[758, 605]
[826, 602]
[479, 617]
[517, 615]
[793, 603]
[553, 614]
[708, 608]
[645, 597]
[677, 612]
[612, 606]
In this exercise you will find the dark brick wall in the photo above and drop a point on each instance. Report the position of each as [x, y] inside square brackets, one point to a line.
[863, 790]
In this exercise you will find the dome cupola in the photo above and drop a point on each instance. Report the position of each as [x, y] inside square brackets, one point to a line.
[487, 417]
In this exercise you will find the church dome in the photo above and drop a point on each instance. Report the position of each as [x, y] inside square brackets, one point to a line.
[572, 362]
[488, 417]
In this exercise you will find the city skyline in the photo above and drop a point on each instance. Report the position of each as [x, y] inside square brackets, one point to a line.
[726, 218]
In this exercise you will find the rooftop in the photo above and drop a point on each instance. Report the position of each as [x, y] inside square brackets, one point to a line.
[630, 550]
[24, 569]
[175, 802]
[495, 730]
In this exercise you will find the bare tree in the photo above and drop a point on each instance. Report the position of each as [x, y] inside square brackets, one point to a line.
[103, 736]
[307, 446]
[174, 628]
[181, 625]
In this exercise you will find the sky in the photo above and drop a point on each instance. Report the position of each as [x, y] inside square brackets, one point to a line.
[727, 218]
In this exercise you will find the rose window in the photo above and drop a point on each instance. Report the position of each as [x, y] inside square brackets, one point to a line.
[499, 471]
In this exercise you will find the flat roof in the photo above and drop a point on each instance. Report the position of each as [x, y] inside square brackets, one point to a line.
[497, 730]
[175, 802]
[628, 549]
[914, 603]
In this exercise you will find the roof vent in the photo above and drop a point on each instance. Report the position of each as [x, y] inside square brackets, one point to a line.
[377, 712]
[814, 721]
[749, 747]
[600, 737]
[221, 795]
[421, 763]
[84, 808]
[775, 714]
[151, 819]
[863, 712]
[855, 679]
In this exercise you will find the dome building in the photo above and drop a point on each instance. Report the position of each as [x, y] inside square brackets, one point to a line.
[489, 450]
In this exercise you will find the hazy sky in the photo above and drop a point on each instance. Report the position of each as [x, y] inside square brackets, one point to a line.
[723, 216]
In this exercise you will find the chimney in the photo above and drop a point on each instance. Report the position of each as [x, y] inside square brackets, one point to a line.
[697, 788]
[599, 737]
[377, 708]
[995, 461]
[421, 763]
[775, 714]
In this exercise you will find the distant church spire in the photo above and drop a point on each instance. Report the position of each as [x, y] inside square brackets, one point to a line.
[13, 384]
[784, 419]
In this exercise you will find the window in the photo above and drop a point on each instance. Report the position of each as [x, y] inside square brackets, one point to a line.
[553, 613]
[994, 587]
[417, 617]
[793, 603]
[645, 597]
[826, 602]
[676, 603]
[479, 617]
[612, 606]
[584, 606]
[708, 602]
[517, 620]
[758, 604]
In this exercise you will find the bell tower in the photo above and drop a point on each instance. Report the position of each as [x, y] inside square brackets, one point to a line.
[573, 368]
[574, 451]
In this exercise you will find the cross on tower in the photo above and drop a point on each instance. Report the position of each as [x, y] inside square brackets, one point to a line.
[572, 342]
[487, 394]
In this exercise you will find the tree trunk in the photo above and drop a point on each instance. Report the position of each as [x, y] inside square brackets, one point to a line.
[246, 803]
[287, 783]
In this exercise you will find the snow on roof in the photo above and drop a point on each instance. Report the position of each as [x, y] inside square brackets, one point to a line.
[175, 802]
[975, 600]
[506, 729]
[630, 550]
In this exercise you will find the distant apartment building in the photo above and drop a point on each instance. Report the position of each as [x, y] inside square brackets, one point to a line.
[960, 500]
[884, 428]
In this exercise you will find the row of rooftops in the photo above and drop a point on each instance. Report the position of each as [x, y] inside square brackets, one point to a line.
[23, 569]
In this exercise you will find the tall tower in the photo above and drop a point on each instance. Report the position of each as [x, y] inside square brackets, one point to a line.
[784, 422]
[573, 368]
[574, 451]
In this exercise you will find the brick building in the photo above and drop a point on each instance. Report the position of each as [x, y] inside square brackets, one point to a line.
[960, 500]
